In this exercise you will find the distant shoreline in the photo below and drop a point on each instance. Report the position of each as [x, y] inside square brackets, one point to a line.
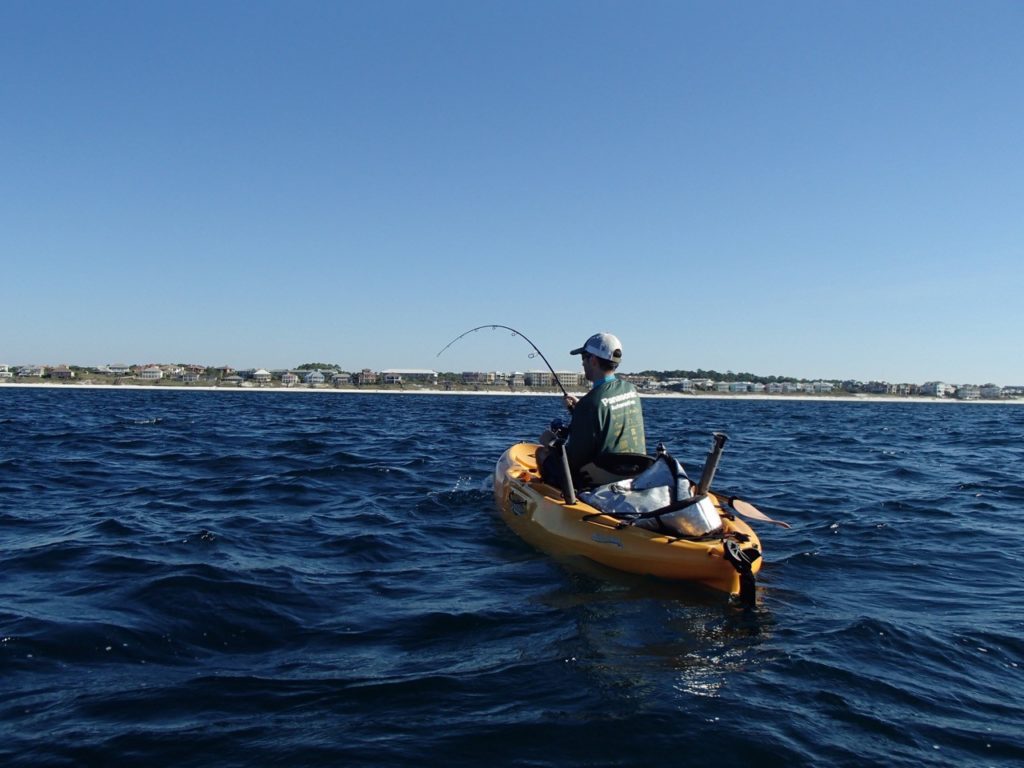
[827, 398]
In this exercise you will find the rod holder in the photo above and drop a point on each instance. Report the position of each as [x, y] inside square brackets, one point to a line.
[568, 492]
[711, 463]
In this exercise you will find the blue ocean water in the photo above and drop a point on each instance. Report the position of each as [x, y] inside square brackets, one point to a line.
[200, 578]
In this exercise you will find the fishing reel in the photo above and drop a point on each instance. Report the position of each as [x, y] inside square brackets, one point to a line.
[559, 429]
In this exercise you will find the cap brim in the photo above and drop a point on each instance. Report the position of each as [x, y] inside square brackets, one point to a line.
[577, 351]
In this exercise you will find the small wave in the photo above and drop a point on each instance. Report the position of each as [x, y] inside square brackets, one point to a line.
[249, 570]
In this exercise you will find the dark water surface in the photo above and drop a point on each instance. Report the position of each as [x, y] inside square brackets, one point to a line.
[197, 578]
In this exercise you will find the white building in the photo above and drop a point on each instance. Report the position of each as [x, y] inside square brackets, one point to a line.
[261, 376]
[315, 377]
[151, 373]
[937, 389]
[5, 372]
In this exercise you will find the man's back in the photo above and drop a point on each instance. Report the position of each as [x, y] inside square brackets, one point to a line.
[609, 419]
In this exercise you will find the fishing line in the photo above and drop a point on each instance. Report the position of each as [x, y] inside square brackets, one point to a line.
[514, 333]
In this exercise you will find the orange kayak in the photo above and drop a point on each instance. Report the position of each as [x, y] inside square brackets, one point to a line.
[725, 560]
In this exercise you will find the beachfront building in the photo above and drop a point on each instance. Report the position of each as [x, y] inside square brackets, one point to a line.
[32, 371]
[645, 383]
[340, 378]
[118, 369]
[364, 377]
[968, 392]
[313, 378]
[5, 372]
[571, 378]
[545, 379]
[189, 377]
[822, 387]
[991, 392]
[408, 376]
[937, 389]
[261, 376]
[62, 372]
[151, 373]
[289, 379]
[516, 379]
[479, 377]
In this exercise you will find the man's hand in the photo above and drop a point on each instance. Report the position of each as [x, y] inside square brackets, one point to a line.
[570, 401]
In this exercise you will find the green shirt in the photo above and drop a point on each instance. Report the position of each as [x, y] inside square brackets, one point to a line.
[608, 419]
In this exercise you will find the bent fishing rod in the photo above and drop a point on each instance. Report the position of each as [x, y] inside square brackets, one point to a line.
[492, 326]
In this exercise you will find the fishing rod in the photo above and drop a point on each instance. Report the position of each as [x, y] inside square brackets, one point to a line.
[514, 333]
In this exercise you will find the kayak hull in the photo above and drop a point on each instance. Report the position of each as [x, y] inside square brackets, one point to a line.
[538, 514]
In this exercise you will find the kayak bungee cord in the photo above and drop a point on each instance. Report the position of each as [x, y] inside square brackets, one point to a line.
[514, 333]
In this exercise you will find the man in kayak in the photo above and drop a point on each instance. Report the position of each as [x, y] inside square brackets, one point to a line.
[607, 422]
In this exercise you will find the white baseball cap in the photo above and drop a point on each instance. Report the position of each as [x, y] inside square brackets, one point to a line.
[603, 345]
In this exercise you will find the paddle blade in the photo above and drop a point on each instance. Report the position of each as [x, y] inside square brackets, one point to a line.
[746, 509]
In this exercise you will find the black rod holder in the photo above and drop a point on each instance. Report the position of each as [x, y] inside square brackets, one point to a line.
[711, 463]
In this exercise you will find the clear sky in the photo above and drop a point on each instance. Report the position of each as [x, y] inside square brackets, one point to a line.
[815, 189]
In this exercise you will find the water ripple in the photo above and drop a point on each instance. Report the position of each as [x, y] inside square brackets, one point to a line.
[189, 577]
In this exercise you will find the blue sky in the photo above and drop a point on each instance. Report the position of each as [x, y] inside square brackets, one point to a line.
[798, 188]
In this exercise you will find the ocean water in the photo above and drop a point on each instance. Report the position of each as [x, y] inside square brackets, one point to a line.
[237, 579]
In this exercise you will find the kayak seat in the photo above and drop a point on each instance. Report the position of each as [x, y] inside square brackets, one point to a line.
[612, 468]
